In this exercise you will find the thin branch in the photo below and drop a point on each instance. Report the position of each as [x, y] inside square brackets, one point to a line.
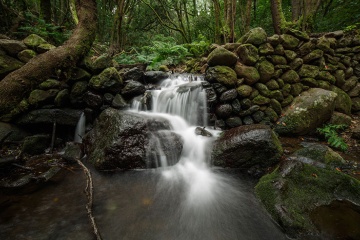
[89, 193]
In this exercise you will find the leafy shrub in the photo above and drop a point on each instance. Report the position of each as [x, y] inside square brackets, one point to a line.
[33, 24]
[330, 132]
[198, 48]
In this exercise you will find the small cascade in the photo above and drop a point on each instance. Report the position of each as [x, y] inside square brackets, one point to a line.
[80, 129]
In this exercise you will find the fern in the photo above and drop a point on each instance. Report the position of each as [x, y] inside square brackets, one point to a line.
[330, 132]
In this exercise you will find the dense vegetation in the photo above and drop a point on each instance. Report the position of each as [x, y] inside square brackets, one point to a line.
[167, 31]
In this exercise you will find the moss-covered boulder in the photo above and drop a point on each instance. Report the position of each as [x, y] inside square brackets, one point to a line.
[8, 64]
[290, 76]
[26, 55]
[98, 64]
[246, 147]
[355, 104]
[244, 91]
[307, 112]
[255, 36]
[33, 41]
[12, 47]
[248, 54]
[221, 56]
[44, 47]
[40, 97]
[298, 34]
[49, 84]
[62, 98]
[316, 54]
[108, 80]
[342, 102]
[221, 74]
[339, 118]
[295, 189]
[289, 42]
[250, 74]
[266, 70]
[309, 71]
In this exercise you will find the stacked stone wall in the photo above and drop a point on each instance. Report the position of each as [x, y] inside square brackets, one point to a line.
[252, 81]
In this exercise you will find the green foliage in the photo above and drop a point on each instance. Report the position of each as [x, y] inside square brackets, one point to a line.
[33, 24]
[198, 48]
[330, 132]
[352, 27]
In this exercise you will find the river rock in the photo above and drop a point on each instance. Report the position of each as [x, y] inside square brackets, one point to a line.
[308, 111]
[155, 76]
[108, 80]
[135, 74]
[246, 147]
[202, 132]
[132, 89]
[301, 188]
[221, 56]
[120, 139]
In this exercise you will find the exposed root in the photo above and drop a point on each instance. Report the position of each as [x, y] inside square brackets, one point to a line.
[89, 194]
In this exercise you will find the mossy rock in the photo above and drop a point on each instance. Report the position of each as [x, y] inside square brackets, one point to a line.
[313, 55]
[33, 41]
[324, 44]
[261, 100]
[222, 57]
[339, 118]
[108, 80]
[355, 104]
[311, 82]
[295, 189]
[44, 47]
[250, 74]
[272, 85]
[266, 49]
[290, 55]
[327, 76]
[287, 101]
[266, 70]
[62, 98]
[263, 89]
[343, 101]
[296, 89]
[274, 40]
[97, 65]
[279, 50]
[278, 60]
[248, 54]
[271, 114]
[298, 34]
[296, 63]
[307, 112]
[79, 74]
[340, 78]
[8, 64]
[350, 83]
[221, 74]
[11, 47]
[276, 106]
[255, 36]
[26, 55]
[49, 84]
[244, 91]
[289, 42]
[290, 76]
[286, 89]
[36, 144]
[306, 48]
[41, 97]
[309, 71]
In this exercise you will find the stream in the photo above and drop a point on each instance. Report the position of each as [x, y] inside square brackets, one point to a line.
[184, 200]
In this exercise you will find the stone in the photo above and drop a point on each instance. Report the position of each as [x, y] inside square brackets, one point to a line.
[135, 74]
[79, 74]
[342, 101]
[36, 144]
[93, 100]
[8, 64]
[223, 111]
[266, 70]
[296, 63]
[306, 48]
[236, 106]
[11, 132]
[202, 132]
[290, 55]
[246, 147]
[290, 76]
[296, 89]
[133, 89]
[221, 74]
[50, 84]
[274, 40]
[271, 114]
[155, 76]
[350, 83]
[233, 122]
[278, 60]
[62, 98]
[118, 102]
[266, 49]
[276, 106]
[339, 118]
[12, 47]
[244, 91]
[355, 92]
[250, 74]
[261, 100]
[26, 55]
[247, 120]
[40, 97]
[44, 47]
[307, 112]
[108, 80]
[355, 106]
[72, 152]
[279, 50]
[222, 57]
[311, 82]
[272, 85]
[309, 71]
[289, 42]
[313, 55]
[98, 64]
[301, 188]
[327, 76]
[298, 34]
[255, 36]
[33, 41]
[248, 54]
[64, 116]
[258, 116]
[228, 95]
[339, 77]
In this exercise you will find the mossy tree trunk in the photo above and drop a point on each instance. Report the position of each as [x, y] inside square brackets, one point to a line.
[18, 84]
[277, 16]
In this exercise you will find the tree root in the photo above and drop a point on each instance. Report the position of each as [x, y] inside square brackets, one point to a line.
[89, 194]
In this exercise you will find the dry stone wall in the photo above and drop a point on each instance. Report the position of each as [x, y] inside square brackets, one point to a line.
[253, 80]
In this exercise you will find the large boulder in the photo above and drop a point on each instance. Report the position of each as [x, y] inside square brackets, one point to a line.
[12, 47]
[255, 36]
[33, 41]
[307, 112]
[247, 147]
[248, 54]
[295, 191]
[124, 140]
[132, 89]
[155, 76]
[221, 56]
[108, 80]
[250, 74]
[343, 101]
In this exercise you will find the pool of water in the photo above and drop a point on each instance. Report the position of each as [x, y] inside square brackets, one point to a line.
[138, 205]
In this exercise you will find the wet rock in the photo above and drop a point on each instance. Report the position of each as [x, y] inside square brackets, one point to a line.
[247, 146]
[210, 95]
[297, 187]
[223, 110]
[155, 76]
[108, 80]
[228, 95]
[77, 93]
[62, 98]
[247, 120]
[308, 111]
[93, 100]
[36, 144]
[120, 139]
[233, 122]
[132, 89]
[221, 74]
[221, 56]
[118, 102]
[68, 117]
[135, 74]
[202, 132]
[72, 152]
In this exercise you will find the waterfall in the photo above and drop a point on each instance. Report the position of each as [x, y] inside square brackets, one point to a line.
[80, 129]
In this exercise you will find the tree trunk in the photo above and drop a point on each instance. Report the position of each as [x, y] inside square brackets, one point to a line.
[295, 9]
[277, 16]
[45, 7]
[18, 84]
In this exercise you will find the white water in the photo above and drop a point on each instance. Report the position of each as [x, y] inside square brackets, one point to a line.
[80, 129]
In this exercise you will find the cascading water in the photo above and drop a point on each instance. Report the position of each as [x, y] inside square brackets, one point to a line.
[210, 202]
[80, 129]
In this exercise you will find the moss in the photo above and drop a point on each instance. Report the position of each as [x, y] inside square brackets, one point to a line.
[250, 74]
[244, 90]
[266, 70]
[221, 74]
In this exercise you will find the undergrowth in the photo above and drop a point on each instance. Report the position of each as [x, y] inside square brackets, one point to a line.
[331, 134]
